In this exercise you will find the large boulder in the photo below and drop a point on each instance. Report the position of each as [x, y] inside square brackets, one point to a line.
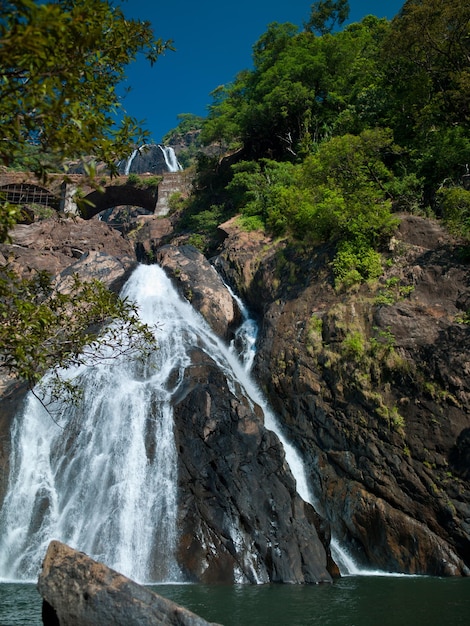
[197, 280]
[90, 248]
[240, 517]
[78, 591]
[240, 259]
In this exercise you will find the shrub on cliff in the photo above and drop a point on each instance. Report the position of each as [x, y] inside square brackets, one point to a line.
[338, 194]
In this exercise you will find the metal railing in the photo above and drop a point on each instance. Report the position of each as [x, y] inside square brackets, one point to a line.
[23, 193]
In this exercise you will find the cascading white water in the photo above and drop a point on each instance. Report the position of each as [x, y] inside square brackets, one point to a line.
[127, 167]
[170, 158]
[106, 483]
[244, 342]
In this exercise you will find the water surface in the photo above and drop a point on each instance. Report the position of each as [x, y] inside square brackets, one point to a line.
[351, 601]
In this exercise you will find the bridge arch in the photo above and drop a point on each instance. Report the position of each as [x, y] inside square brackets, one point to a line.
[118, 195]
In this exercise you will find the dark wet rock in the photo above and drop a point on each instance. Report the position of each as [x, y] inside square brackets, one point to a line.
[152, 232]
[78, 591]
[239, 261]
[241, 519]
[373, 386]
[459, 456]
[12, 394]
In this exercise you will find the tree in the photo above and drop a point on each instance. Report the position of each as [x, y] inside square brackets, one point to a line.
[301, 90]
[326, 14]
[188, 122]
[427, 57]
[60, 64]
[427, 74]
[47, 328]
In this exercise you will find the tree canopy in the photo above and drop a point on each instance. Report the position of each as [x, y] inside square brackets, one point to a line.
[379, 110]
[60, 64]
[326, 14]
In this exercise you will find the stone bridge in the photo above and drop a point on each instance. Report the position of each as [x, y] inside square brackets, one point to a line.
[75, 195]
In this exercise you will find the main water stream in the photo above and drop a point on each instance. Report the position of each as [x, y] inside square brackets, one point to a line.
[104, 482]
[105, 479]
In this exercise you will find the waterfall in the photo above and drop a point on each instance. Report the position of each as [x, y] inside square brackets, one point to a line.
[105, 480]
[127, 167]
[104, 483]
[244, 342]
[170, 158]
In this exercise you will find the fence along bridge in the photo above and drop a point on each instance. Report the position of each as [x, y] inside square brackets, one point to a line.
[25, 193]
[23, 188]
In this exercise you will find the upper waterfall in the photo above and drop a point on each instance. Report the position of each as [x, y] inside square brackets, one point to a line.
[170, 158]
[150, 158]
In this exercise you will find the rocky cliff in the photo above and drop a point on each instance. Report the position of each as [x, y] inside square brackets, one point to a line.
[371, 385]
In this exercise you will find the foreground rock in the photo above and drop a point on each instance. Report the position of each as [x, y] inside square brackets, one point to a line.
[373, 386]
[78, 591]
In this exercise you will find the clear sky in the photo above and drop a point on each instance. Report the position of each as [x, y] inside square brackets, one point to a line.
[213, 41]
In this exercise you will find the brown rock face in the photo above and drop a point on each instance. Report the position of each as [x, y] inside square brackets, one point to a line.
[87, 247]
[78, 591]
[196, 280]
[373, 387]
[240, 260]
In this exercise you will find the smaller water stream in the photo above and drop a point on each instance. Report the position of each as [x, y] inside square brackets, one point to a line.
[127, 167]
[170, 158]
[168, 152]
[245, 344]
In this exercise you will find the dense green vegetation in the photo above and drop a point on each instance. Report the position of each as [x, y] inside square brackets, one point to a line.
[333, 131]
[60, 64]
[186, 134]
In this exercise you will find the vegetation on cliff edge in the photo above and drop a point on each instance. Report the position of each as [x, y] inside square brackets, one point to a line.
[331, 132]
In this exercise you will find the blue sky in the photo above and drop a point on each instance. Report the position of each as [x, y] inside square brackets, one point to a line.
[213, 41]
